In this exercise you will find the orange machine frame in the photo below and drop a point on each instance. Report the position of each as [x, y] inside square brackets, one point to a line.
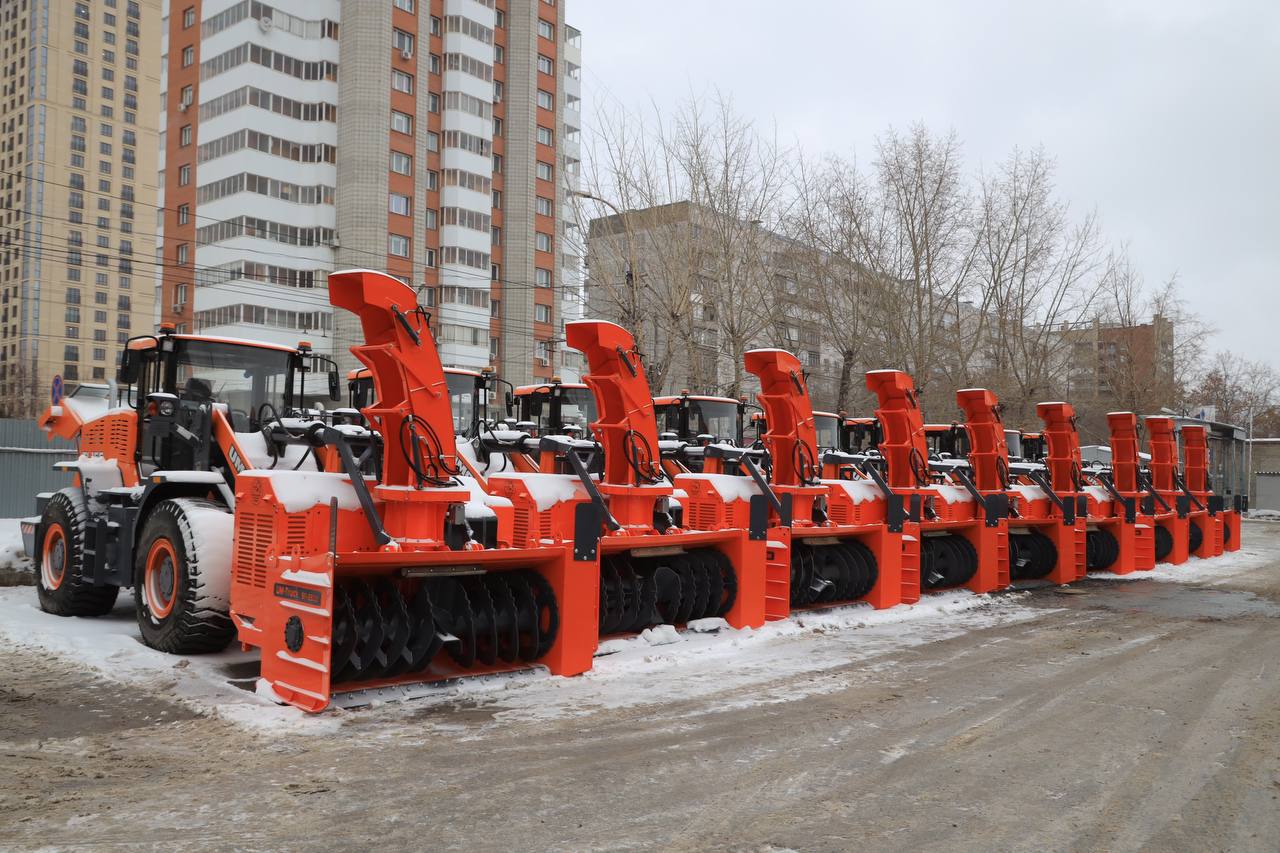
[983, 523]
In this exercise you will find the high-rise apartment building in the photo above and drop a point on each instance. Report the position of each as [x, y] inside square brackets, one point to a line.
[432, 139]
[78, 99]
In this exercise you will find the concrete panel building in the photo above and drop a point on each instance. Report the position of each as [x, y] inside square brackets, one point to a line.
[432, 139]
[79, 101]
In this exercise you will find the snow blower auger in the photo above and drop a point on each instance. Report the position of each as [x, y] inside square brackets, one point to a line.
[152, 500]
[964, 533]
[1208, 511]
[1170, 508]
[830, 541]
[345, 582]
[1046, 520]
[656, 567]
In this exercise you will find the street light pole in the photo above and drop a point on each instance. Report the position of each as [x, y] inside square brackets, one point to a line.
[629, 279]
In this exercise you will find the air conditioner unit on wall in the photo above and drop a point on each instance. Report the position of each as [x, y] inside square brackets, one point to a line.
[265, 24]
[406, 53]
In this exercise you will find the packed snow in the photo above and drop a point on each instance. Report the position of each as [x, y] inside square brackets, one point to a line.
[13, 561]
[781, 662]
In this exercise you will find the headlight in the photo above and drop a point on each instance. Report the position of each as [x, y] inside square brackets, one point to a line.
[166, 408]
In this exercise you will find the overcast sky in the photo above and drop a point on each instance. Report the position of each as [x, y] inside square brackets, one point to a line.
[1162, 114]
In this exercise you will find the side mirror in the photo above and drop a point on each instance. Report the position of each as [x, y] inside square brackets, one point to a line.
[335, 386]
[511, 403]
[130, 367]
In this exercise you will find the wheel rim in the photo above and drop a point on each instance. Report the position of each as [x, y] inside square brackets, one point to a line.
[53, 558]
[161, 578]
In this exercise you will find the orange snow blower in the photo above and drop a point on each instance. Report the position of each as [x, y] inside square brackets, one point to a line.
[964, 533]
[830, 541]
[1046, 522]
[655, 565]
[345, 582]
[1195, 448]
[1164, 502]
[1205, 529]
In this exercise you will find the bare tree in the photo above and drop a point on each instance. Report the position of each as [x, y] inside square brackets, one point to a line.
[1038, 280]
[1237, 387]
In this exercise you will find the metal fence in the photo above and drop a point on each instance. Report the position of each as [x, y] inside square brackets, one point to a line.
[27, 458]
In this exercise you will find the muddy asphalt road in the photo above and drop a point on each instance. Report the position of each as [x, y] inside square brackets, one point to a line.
[1137, 715]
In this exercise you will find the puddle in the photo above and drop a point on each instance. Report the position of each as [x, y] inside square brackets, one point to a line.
[1184, 602]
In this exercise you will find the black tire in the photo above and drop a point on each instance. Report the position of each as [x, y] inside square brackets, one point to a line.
[1164, 542]
[1195, 537]
[184, 610]
[61, 586]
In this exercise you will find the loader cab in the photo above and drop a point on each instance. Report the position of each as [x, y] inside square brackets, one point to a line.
[555, 407]
[701, 419]
[860, 435]
[1032, 446]
[947, 441]
[468, 396]
[827, 425]
[176, 382]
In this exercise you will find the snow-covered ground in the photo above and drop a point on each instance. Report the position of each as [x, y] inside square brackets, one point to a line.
[654, 669]
[781, 662]
[11, 555]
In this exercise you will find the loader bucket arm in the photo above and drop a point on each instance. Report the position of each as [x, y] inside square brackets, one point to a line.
[1195, 449]
[902, 428]
[1163, 443]
[791, 436]
[411, 392]
[988, 449]
[626, 425]
[1062, 445]
[1123, 427]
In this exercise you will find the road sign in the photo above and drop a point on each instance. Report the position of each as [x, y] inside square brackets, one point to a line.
[57, 388]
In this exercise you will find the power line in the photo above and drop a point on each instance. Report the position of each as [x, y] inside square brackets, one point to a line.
[381, 257]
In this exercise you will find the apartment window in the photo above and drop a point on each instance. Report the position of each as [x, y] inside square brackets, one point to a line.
[403, 42]
[402, 82]
[433, 63]
[543, 242]
[542, 313]
[398, 245]
[184, 136]
[430, 260]
[498, 90]
[401, 204]
[188, 96]
[495, 273]
[546, 29]
[433, 181]
[405, 5]
[430, 219]
[500, 19]
[499, 54]
[188, 56]
[497, 164]
[189, 18]
[545, 171]
[542, 277]
[546, 100]
[401, 164]
[73, 296]
[433, 141]
[495, 236]
[497, 199]
[184, 175]
[546, 136]
[183, 251]
[546, 64]
[543, 206]
[433, 102]
[435, 26]
[402, 123]
[72, 314]
[184, 214]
